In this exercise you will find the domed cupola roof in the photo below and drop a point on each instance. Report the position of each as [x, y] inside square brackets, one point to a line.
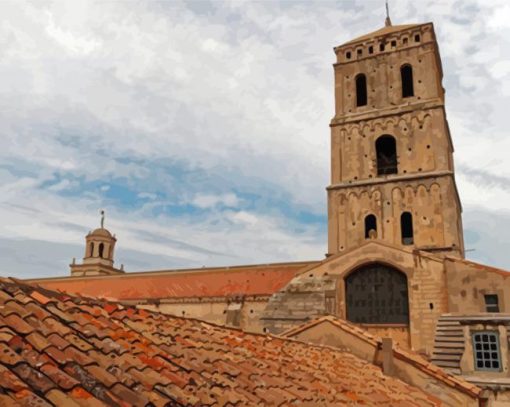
[101, 232]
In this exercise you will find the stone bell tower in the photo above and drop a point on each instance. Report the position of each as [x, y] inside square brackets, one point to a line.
[392, 175]
[98, 259]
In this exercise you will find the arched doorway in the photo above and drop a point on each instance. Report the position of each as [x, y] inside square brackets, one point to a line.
[377, 294]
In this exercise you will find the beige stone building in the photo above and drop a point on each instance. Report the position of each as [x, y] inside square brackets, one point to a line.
[395, 265]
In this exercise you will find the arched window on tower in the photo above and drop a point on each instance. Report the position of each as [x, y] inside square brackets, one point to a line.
[361, 90]
[406, 228]
[370, 227]
[101, 249]
[406, 73]
[386, 150]
[91, 254]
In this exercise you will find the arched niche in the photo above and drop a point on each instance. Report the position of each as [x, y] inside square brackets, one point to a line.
[376, 293]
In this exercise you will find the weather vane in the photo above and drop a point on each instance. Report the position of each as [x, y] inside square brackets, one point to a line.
[388, 21]
[102, 219]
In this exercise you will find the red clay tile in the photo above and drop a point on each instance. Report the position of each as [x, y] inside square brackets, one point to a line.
[29, 399]
[10, 381]
[62, 379]
[215, 282]
[61, 399]
[38, 341]
[94, 353]
[8, 356]
[40, 298]
[35, 379]
[18, 324]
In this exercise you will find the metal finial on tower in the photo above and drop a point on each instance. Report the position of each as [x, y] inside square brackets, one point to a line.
[102, 219]
[387, 22]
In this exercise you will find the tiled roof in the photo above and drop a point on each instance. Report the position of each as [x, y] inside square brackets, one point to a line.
[65, 351]
[205, 282]
[411, 357]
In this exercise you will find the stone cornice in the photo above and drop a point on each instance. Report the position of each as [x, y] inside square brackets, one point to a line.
[390, 179]
[375, 114]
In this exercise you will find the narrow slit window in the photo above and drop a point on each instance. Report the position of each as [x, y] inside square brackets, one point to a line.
[370, 227]
[101, 249]
[406, 73]
[386, 150]
[486, 351]
[491, 303]
[361, 90]
[91, 249]
[406, 227]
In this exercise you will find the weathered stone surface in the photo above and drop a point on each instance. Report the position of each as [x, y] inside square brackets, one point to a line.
[304, 298]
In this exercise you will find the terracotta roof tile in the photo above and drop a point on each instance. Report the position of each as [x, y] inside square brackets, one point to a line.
[38, 341]
[8, 356]
[61, 399]
[263, 279]
[417, 360]
[36, 380]
[62, 379]
[17, 324]
[29, 399]
[85, 352]
[40, 298]
[9, 381]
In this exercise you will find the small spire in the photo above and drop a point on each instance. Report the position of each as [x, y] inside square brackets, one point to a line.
[102, 219]
[387, 22]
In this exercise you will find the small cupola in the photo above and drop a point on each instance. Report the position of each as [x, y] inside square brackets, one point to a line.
[99, 249]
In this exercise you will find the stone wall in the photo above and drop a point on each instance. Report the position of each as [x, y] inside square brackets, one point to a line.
[304, 298]
[215, 310]
[431, 200]
[468, 283]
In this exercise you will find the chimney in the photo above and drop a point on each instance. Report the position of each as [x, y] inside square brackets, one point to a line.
[388, 366]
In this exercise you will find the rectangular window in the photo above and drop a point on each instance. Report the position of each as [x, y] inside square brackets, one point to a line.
[486, 351]
[491, 303]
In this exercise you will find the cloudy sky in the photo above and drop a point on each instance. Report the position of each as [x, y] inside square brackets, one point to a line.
[202, 127]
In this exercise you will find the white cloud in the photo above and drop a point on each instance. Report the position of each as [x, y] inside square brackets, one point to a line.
[75, 44]
[209, 201]
[245, 89]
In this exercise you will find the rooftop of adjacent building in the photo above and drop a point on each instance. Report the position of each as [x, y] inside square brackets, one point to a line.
[258, 279]
[64, 350]
[418, 361]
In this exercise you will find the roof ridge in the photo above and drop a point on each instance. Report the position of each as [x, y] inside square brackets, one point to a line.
[411, 356]
[474, 263]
